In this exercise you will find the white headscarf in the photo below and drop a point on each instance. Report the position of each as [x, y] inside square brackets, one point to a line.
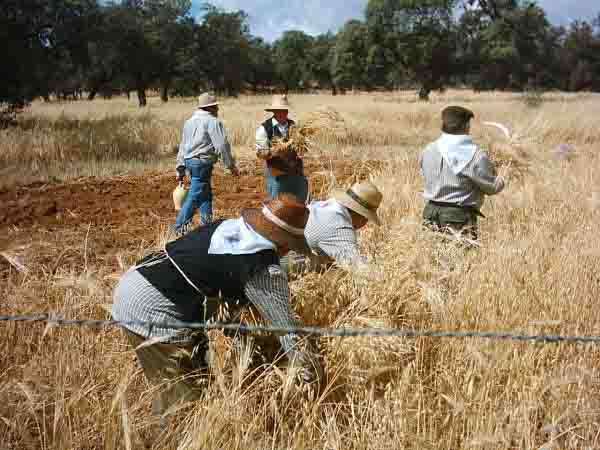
[236, 237]
[457, 150]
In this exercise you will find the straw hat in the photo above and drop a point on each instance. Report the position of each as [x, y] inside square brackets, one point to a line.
[279, 103]
[281, 220]
[206, 100]
[362, 198]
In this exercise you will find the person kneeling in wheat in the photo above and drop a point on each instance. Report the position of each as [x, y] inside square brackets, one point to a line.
[458, 175]
[235, 262]
[331, 230]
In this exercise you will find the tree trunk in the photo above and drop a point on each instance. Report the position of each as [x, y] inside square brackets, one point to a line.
[424, 93]
[164, 92]
[142, 101]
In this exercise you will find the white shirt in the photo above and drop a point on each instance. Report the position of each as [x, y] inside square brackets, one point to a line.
[262, 139]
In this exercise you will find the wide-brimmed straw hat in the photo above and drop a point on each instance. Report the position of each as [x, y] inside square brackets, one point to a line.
[206, 100]
[279, 103]
[281, 220]
[362, 198]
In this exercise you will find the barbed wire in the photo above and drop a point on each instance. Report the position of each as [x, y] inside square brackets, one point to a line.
[52, 320]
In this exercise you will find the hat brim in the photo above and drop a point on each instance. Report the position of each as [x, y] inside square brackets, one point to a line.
[276, 109]
[353, 205]
[208, 105]
[259, 223]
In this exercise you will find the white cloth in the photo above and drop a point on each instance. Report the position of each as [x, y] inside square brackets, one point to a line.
[457, 150]
[236, 237]
[262, 139]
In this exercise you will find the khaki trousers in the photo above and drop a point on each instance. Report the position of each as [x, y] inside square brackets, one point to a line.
[177, 371]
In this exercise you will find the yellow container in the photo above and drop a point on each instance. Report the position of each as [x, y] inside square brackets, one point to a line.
[179, 194]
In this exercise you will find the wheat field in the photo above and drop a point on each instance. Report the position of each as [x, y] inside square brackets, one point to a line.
[536, 272]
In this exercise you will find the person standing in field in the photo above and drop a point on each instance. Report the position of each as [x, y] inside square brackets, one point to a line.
[229, 262]
[332, 226]
[284, 171]
[203, 142]
[458, 175]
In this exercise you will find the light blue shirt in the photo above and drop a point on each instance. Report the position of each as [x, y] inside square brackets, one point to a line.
[204, 137]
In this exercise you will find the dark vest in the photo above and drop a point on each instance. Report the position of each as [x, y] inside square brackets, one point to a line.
[274, 131]
[289, 162]
[214, 275]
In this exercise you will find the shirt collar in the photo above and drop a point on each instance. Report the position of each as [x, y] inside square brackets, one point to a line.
[333, 205]
[201, 112]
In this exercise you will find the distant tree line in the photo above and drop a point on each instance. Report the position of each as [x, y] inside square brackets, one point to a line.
[77, 48]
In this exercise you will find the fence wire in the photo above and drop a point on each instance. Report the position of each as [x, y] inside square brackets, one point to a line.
[52, 320]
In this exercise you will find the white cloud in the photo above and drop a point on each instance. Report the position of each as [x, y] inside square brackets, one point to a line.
[270, 19]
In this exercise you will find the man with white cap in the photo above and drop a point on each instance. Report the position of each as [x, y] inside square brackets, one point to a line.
[331, 229]
[458, 175]
[284, 171]
[203, 142]
[232, 262]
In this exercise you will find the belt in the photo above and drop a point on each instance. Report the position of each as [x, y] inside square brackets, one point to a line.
[472, 209]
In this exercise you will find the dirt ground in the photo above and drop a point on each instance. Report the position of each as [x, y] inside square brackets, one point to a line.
[105, 216]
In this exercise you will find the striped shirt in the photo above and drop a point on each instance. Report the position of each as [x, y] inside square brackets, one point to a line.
[468, 188]
[204, 137]
[136, 299]
[329, 232]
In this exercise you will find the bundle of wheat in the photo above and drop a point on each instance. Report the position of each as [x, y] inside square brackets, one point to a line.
[508, 154]
[322, 125]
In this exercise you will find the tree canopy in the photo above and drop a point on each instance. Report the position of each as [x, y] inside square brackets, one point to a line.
[65, 48]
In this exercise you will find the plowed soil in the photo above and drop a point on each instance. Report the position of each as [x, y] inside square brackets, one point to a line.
[123, 213]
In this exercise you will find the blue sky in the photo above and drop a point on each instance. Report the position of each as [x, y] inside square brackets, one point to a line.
[269, 19]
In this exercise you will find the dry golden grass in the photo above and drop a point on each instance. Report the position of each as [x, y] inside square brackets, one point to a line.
[536, 272]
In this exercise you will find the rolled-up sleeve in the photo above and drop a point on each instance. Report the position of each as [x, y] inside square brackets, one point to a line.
[217, 134]
[262, 143]
[481, 172]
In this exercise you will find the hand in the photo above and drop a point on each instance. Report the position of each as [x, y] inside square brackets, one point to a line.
[307, 365]
[264, 154]
[235, 171]
[180, 177]
[504, 171]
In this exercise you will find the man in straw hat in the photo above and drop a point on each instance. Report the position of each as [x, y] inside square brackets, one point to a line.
[332, 225]
[203, 142]
[231, 263]
[458, 175]
[284, 171]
